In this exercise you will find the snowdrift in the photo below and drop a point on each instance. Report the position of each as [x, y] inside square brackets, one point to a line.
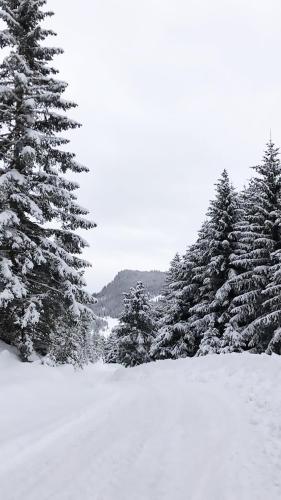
[192, 429]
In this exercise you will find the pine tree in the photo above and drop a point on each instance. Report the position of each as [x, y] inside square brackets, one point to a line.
[256, 307]
[134, 334]
[174, 338]
[215, 248]
[94, 347]
[41, 271]
[110, 354]
[233, 340]
[164, 303]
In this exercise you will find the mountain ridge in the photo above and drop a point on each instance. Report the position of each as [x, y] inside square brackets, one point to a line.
[110, 298]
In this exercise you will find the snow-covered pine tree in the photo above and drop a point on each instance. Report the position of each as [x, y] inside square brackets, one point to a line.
[233, 340]
[94, 347]
[216, 246]
[110, 353]
[174, 338]
[41, 272]
[75, 342]
[135, 332]
[161, 347]
[172, 282]
[256, 307]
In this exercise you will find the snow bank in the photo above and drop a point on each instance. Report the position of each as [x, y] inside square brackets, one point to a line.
[194, 429]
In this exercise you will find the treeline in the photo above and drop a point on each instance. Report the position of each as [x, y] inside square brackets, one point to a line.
[224, 294]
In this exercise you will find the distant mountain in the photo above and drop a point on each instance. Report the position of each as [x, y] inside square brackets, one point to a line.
[110, 298]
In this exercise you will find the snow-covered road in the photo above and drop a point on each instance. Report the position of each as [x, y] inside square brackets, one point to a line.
[199, 429]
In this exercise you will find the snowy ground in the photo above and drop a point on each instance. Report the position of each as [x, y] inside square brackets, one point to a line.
[199, 429]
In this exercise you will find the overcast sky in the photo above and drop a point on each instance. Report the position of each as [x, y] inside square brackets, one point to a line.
[170, 93]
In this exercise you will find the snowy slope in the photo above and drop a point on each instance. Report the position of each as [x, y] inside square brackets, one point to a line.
[197, 429]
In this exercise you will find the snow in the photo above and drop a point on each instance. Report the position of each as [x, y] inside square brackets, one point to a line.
[8, 217]
[12, 175]
[22, 78]
[34, 135]
[111, 323]
[192, 429]
[156, 298]
[28, 151]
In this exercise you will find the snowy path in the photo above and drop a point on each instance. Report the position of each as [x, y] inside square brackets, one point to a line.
[202, 429]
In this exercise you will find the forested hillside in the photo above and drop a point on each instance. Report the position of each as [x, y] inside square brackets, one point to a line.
[110, 298]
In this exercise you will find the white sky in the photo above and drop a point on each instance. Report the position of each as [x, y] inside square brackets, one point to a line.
[170, 93]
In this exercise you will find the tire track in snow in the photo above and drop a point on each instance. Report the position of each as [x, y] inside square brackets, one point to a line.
[165, 431]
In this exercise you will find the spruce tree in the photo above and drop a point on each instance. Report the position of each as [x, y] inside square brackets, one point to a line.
[133, 336]
[110, 353]
[256, 307]
[41, 271]
[216, 247]
[174, 338]
[233, 339]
